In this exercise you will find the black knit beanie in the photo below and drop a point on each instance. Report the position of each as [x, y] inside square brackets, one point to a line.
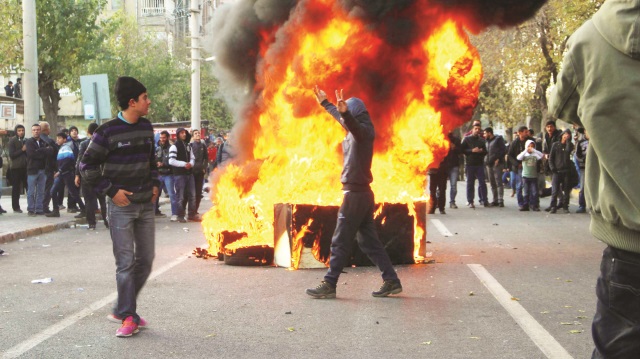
[127, 88]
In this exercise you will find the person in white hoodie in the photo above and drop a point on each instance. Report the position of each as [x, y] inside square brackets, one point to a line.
[530, 157]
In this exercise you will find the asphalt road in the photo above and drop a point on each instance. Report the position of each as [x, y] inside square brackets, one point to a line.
[504, 284]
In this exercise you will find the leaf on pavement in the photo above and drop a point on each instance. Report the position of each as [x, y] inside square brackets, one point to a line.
[426, 343]
[575, 331]
[516, 299]
[291, 329]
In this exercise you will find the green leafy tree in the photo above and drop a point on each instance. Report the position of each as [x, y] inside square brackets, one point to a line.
[522, 64]
[11, 34]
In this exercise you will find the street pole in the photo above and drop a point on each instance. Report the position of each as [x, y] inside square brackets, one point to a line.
[30, 80]
[195, 64]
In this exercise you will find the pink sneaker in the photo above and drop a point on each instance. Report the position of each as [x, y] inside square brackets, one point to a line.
[113, 318]
[128, 328]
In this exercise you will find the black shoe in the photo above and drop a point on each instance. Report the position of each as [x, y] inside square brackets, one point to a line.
[323, 291]
[579, 210]
[453, 205]
[565, 210]
[431, 211]
[195, 218]
[487, 204]
[39, 213]
[388, 287]
[535, 209]
[524, 209]
[500, 204]
[31, 214]
[82, 214]
[54, 213]
[2, 210]
[495, 203]
[442, 211]
[72, 210]
[92, 227]
[106, 223]
[46, 211]
[182, 220]
[553, 210]
[471, 205]
[548, 209]
[17, 210]
[160, 214]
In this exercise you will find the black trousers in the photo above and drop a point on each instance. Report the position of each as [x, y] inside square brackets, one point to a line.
[47, 190]
[18, 183]
[91, 200]
[616, 324]
[199, 179]
[437, 190]
[355, 219]
[560, 191]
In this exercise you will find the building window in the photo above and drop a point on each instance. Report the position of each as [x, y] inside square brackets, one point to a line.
[152, 7]
[116, 4]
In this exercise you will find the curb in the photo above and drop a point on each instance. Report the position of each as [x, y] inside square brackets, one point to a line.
[14, 236]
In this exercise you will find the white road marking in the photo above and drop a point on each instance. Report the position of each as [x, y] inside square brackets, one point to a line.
[441, 228]
[540, 336]
[49, 332]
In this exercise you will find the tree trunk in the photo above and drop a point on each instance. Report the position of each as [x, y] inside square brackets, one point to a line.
[50, 96]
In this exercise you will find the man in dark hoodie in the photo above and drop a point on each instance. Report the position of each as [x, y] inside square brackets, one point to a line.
[550, 136]
[182, 159]
[199, 150]
[355, 217]
[18, 156]
[561, 164]
[475, 149]
[496, 150]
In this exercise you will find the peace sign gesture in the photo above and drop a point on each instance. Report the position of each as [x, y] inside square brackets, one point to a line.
[342, 105]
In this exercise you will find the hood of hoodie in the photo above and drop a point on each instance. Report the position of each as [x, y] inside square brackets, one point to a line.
[180, 129]
[356, 106]
[15, 129]
[619, 23]
[526, 144]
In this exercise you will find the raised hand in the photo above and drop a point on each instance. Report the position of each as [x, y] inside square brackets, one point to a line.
[320, 95]
[342, 105]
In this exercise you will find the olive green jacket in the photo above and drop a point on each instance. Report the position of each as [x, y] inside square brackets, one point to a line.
[599, 88]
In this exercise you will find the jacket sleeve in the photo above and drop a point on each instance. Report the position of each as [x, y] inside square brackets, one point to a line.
[33, 151]
[173, 157]
[552, 158]
[361, 130]
[333, 111]
[511, 154]
[520, 156]
[15, 148]
[464, 147]
[563, 103]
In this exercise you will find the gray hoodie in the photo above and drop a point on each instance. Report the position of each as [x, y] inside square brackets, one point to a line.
[357, 146]
[597, 88]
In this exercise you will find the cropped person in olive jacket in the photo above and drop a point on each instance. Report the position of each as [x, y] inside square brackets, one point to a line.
[597, 89]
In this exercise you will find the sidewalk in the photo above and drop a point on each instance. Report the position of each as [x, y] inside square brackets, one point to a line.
[15, 226]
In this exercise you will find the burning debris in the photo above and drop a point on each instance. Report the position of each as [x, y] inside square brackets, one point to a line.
[411, 63]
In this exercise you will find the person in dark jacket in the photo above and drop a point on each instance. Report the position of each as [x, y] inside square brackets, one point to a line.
[17, 89]
[437, 187]
[560, 163]
[91, 198]
[50, 168]
[355, 217]
[550, 136]
[181, 159]
[475, 149]
[496, 150]
[199, 150]
[8, 90]
[165, 174]
[18, 156]
[582, 147]
[37, 153]
[453, 168]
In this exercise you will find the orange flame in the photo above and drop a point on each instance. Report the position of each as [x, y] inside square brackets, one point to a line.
[295, 145]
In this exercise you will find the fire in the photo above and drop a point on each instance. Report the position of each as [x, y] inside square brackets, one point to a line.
[415, 94]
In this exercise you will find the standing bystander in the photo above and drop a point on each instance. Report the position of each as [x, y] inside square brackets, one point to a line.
[18, 167]
[120, 162]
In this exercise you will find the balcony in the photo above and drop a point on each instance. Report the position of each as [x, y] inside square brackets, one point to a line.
[150, 8]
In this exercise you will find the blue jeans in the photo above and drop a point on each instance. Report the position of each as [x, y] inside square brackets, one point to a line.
[167, 181]
[616, 324]
[530, 197]
[185, 188]
[453, 181]
[35, 191]
[517, 179]
[474, 172]
[355, 220]
[132, 231]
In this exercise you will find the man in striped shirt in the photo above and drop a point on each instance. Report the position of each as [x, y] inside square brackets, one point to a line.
[120, 162]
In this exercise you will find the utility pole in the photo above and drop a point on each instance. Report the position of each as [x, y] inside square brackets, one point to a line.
[30, 81]
[194, 24]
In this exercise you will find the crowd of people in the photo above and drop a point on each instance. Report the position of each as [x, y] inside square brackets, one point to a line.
[523, 165]
[44, 166]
